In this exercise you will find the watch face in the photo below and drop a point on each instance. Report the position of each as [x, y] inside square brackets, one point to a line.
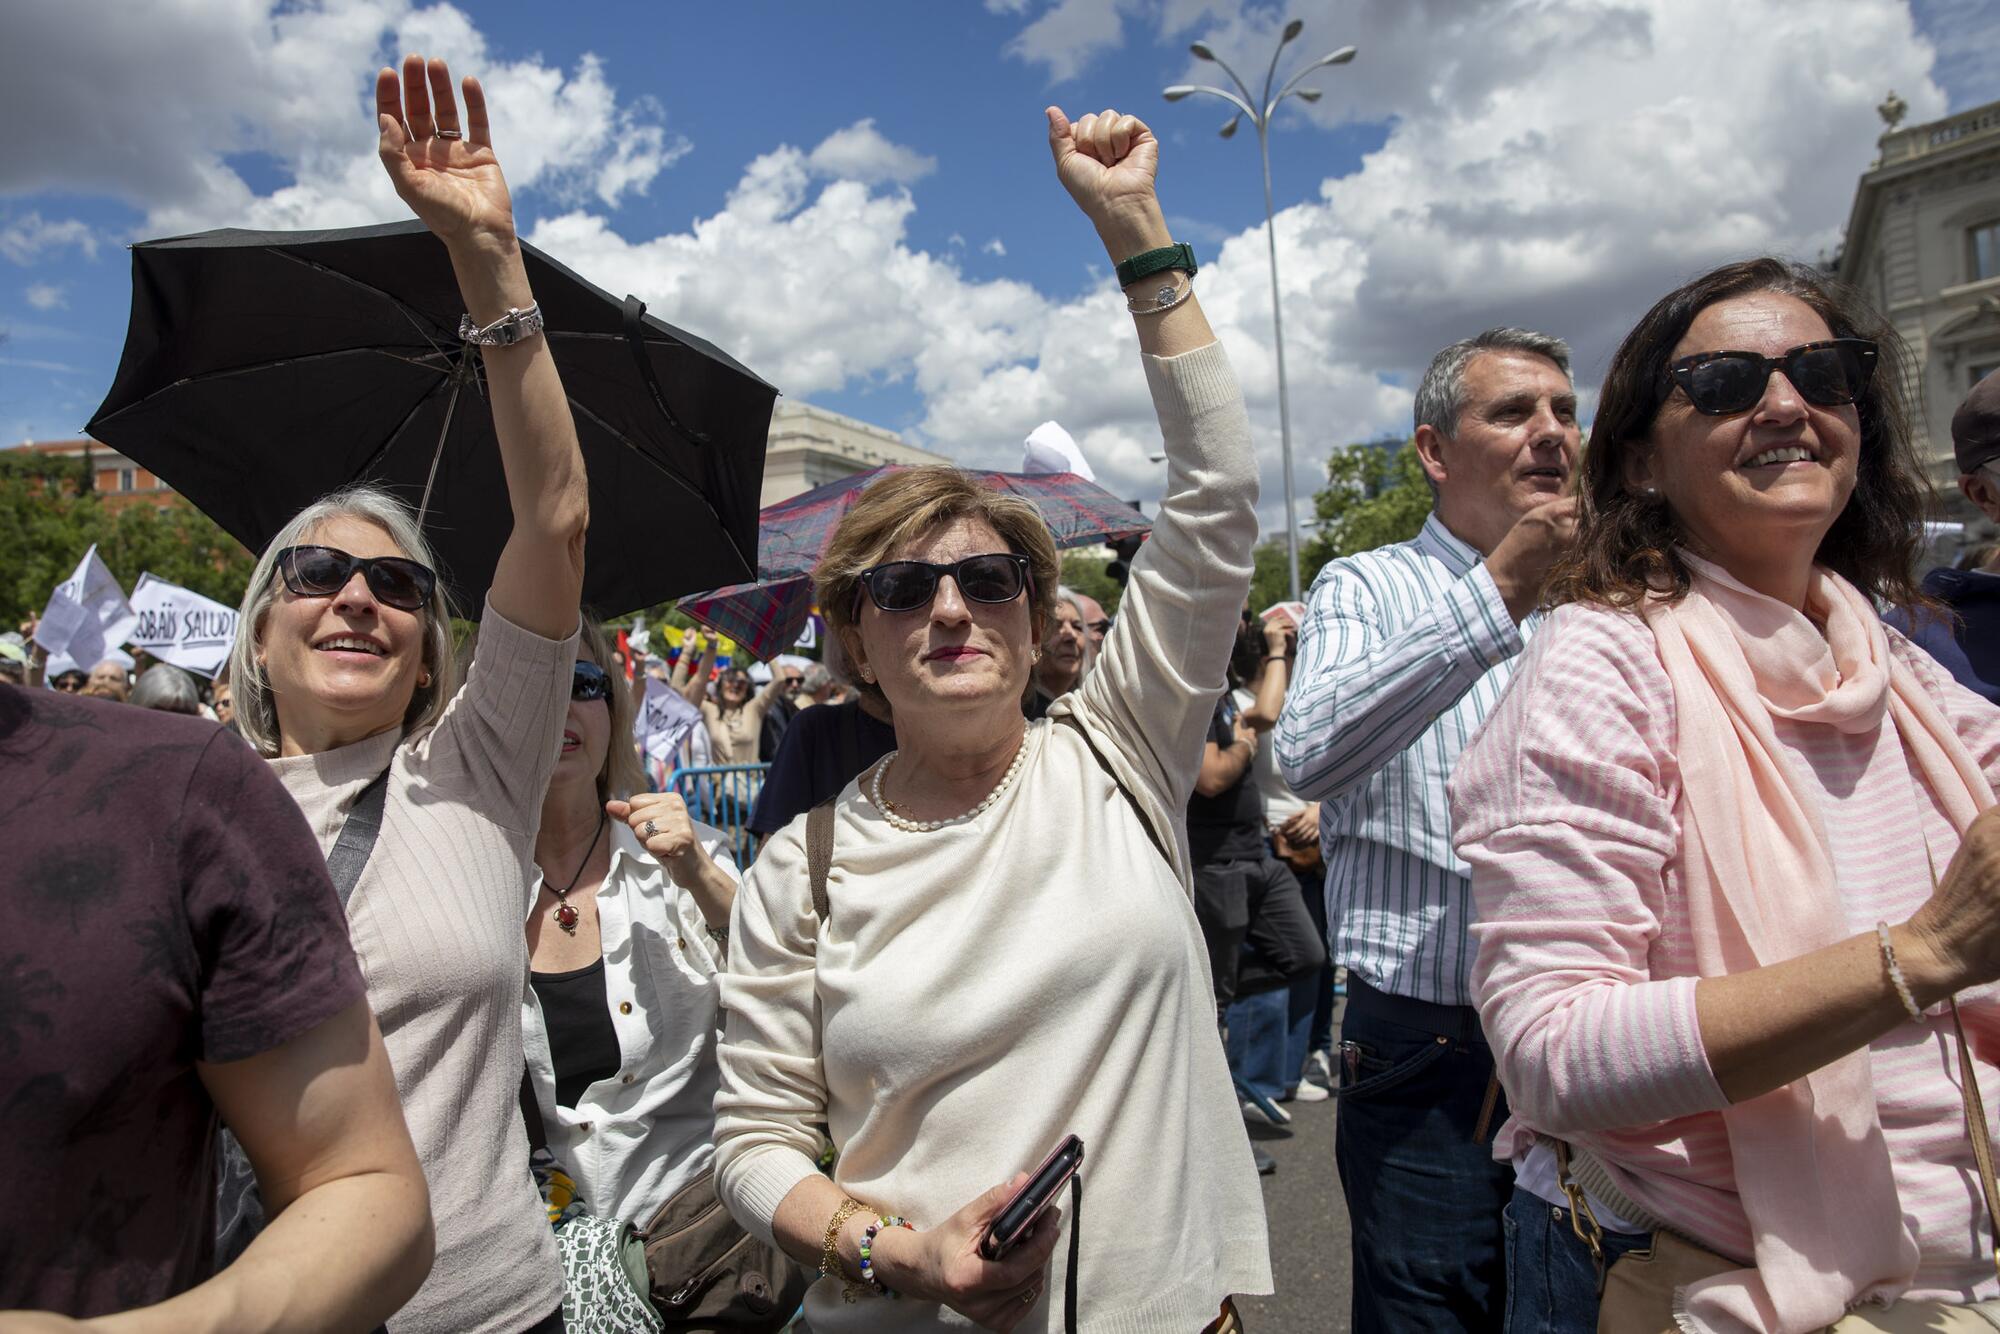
[1166, 295]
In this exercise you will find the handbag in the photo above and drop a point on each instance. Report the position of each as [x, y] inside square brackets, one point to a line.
[708, 1274]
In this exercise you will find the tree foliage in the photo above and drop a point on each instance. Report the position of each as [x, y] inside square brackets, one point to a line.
[1084, 571]
[50, 516]
[1374, 495]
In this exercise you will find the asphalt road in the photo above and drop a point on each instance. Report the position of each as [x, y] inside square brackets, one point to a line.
[1308, 1222]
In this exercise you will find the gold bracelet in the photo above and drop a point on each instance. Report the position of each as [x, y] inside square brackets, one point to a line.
[829, 1260]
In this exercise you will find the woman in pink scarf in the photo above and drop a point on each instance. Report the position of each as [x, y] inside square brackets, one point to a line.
[1701, 826]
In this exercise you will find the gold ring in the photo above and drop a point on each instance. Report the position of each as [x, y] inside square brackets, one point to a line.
[1028, 1297]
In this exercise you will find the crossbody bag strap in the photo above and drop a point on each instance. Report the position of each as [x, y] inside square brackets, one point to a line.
[1976, 1130]
[349, 857]
[819, 854]
[1159, 844]
[1075, 1244]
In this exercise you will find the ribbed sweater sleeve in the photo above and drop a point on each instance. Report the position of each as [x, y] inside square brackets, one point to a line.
[772, 1097]
[1150, 696]
[1564, 808]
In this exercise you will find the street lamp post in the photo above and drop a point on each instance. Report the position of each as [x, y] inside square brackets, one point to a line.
[1260, 116]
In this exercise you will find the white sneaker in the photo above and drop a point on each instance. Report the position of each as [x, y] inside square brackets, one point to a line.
[1319, 1069]
[1307, 1091]
[1256, 1115]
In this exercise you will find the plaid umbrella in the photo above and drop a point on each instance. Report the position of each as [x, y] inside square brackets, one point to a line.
[767, 616]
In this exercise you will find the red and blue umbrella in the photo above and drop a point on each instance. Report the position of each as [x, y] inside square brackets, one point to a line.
[767, 616]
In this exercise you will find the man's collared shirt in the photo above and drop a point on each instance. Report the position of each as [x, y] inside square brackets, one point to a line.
[1404, 652]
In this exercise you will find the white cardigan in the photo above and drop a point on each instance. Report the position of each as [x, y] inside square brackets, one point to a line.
[636, 1137]
[982, 990]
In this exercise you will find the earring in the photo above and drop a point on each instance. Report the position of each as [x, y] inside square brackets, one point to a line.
[867, 673]
[424, 681]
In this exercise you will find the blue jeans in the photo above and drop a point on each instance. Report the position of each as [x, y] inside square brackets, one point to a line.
[1551, 1282]
[1268, 1033]
[1424, 1196]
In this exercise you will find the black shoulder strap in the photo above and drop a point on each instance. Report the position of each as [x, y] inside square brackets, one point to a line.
[357, 837]
[1075, 1244]
[819, 853]
[1126, 792]
[531, 1113]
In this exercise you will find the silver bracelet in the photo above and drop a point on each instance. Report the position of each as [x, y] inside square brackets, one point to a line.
[1164, 299]
[1896, 973]
[515, 326]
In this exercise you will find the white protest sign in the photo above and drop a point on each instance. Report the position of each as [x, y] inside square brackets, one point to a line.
[665, 719]
[87, 613]
[181, 627]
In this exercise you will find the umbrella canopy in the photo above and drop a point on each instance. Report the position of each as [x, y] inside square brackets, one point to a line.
[768, 615]
[264, 369]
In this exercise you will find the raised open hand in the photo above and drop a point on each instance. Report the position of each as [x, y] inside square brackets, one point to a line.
[446, 173]
[1108, 163]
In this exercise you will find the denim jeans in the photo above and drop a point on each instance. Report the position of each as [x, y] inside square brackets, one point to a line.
[1256, 1041]
[1551, 1282]
[1424, 1197]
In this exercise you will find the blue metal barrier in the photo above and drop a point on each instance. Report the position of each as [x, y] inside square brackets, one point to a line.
[723, 795]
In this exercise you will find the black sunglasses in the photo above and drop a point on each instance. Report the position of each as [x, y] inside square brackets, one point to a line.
[588, 681]
[905, 585]
[320, 572]
[1827, 374]
[70, 682]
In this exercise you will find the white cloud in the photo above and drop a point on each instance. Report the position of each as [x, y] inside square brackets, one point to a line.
[995, 247]
[46, 296]
[860, 153]
[27, 238]
[293, 82]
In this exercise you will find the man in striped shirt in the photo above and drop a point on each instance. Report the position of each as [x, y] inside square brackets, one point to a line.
[1404, 651]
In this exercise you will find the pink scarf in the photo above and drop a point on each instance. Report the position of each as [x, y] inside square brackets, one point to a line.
[1811, 1166]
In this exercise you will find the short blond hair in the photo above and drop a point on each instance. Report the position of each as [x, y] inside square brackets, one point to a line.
[906, 506]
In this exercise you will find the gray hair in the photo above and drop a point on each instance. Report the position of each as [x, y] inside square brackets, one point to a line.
[1064, 593]
[814, 679]
[168, 689]
[256, 709]
[1441, 395]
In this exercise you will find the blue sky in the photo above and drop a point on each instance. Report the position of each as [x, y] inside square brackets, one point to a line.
[857, 199]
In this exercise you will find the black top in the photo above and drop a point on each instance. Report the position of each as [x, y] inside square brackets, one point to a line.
[825, 746]
[578, 1019]
[1228, 826]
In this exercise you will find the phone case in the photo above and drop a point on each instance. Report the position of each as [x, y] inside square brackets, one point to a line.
[1036, 1194]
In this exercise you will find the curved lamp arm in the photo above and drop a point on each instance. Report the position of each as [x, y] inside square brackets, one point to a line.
[1180, 90]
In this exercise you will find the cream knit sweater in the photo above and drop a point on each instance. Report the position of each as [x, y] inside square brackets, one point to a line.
[982, 990]
[436, 924]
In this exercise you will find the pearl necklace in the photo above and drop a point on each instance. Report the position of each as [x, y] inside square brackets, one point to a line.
[910, 826]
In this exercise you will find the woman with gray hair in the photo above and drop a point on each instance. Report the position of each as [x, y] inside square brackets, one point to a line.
[168, 689]
[344, 678]
[985, 945]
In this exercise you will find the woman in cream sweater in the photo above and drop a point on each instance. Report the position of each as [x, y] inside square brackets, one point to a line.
[1010, 953]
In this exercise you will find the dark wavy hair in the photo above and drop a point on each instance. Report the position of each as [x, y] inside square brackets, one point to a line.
[1628, 545]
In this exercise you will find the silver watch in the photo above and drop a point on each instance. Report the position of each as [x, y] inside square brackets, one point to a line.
[513, 327]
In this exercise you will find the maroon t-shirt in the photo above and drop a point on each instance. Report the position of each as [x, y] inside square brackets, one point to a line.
[162, 902]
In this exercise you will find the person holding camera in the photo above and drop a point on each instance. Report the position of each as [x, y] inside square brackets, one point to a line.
[986, 943]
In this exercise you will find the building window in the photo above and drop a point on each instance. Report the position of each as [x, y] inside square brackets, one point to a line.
[127, 478]
[1986, 251]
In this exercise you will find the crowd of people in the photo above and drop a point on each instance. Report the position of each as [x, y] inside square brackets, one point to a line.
[1643, 801]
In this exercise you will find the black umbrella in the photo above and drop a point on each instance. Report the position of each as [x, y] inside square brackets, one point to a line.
[265, 369]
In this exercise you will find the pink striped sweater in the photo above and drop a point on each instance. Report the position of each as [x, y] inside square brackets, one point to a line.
[1566, 807]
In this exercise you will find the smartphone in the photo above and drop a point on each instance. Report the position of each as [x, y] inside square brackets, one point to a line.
[1017, 1217]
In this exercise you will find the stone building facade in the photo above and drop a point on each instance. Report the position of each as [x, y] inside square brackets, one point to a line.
[1923, 243]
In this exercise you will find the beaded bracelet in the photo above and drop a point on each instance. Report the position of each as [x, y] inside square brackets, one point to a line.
[867, 1252]
[1896, 973]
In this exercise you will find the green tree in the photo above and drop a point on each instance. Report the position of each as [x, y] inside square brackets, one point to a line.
[1374, 495]
[1271, 575]
[1084, 571]
[49, 516]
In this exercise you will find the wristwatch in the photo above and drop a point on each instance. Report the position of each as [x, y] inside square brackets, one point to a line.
[1144, 264]
[513, 327]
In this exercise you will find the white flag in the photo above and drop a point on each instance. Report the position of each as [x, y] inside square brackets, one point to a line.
[181, 627]
[87, 613]
[1050, 449]
[665, 718]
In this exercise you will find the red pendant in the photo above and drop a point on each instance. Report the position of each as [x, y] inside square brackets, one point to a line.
[566, 918]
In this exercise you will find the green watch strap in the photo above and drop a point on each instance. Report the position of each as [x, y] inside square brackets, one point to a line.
[1146, 263]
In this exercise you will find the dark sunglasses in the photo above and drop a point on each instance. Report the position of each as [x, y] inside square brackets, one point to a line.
[905, 585]
[70, 682]
[588, 681]
[1827, 374]
[320, 572]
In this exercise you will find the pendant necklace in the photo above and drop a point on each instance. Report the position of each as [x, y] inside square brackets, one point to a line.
[566, 914]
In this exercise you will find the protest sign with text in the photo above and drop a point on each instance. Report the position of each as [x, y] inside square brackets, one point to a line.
[181, 627]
